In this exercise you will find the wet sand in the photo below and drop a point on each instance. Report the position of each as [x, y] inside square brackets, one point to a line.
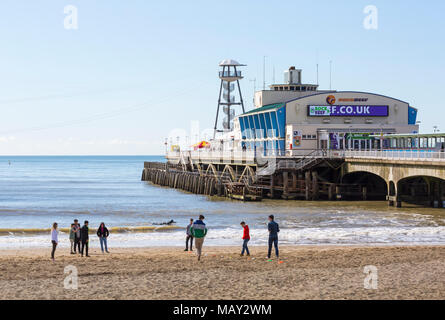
[416, 272]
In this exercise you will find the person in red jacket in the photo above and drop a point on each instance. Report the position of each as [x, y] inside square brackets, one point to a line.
[246, 238]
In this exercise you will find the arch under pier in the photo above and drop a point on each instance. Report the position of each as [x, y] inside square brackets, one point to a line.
[412, 181]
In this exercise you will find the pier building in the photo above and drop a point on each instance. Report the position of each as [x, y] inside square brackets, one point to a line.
[300, 142]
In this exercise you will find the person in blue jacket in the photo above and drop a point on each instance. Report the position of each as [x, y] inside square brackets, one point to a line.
[273, 228]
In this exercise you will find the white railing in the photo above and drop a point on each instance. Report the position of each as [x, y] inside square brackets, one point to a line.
[397, 155]
[248, 156]
[213, 156]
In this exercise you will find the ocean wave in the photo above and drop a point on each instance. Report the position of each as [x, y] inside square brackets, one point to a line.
[36, 231]
[147, 236]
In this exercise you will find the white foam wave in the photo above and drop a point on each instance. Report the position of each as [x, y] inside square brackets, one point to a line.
[232, 236]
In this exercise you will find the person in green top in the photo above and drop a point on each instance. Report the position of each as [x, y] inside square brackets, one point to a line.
[199, 231]
[72, 236]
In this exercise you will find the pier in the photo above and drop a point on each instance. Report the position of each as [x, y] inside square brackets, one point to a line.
[301, 142]
[396, 176]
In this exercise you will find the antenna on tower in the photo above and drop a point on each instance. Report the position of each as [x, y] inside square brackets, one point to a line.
[228, 76]
[264, 73]
[317, 75]
[254, 89]
[330, 74]
[273, 74]
[316, 59]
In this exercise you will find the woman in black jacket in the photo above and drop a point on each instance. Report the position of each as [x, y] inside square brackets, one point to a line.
[103, 234]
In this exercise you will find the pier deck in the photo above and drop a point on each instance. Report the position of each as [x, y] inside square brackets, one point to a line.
[413, 177]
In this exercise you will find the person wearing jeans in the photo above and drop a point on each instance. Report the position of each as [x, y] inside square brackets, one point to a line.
[72, 237]
[189, 237]
[54, 239]
[273, 236]
[77, 239]
[102, 233]
[199, 231]
[85, 238]
[246, 238]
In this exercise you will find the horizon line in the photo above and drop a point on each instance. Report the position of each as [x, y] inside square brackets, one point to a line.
[83, 155]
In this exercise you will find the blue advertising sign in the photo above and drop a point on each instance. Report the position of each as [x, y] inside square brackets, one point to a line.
[348, 111]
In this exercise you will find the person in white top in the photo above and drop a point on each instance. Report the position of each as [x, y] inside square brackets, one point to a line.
[54, 239]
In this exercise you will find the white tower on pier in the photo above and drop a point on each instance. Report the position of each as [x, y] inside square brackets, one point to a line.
[229, 75]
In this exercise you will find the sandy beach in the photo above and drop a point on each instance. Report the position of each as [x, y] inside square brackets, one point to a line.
[170, 273]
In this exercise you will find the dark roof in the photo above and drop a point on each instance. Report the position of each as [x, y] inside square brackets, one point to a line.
[265, 108]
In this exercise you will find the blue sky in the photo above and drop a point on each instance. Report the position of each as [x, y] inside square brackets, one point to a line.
[135, 70]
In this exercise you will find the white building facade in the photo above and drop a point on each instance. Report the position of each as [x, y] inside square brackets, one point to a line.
[293, 117]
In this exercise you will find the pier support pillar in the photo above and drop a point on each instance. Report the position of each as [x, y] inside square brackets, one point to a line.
[440, 195]
[365, 193]
[272, 185]
[338, 192]
[331, 192]
[143, 178]
[393, 197]
[315, 187]
[285, 185]
[431, 192]
[436, 190]
[294, 181]
[307, 179]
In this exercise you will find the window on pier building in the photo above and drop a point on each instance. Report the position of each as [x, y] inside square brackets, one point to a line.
[268, 125]
[258, 133]
[273, 116]
[242, 127]
[249, 133]
[245, 128]
[432, 143]
[393, 143]
[252, 126]
[281, 116]
[263, 125]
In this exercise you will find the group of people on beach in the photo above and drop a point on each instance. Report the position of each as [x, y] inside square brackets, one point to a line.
[197, 230]
[80, 238]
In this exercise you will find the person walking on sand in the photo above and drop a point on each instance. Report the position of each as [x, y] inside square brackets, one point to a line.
[102, 233]
[246, 238]
[54, 239]
[84, 237]
[273, 235]
[76, 236]
[199, 231]
[189, 237]
[72, 237]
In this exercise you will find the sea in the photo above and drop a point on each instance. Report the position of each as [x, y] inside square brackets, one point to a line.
[36, 191]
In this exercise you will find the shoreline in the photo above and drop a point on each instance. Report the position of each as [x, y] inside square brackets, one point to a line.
[306, 272]
[38, 250]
